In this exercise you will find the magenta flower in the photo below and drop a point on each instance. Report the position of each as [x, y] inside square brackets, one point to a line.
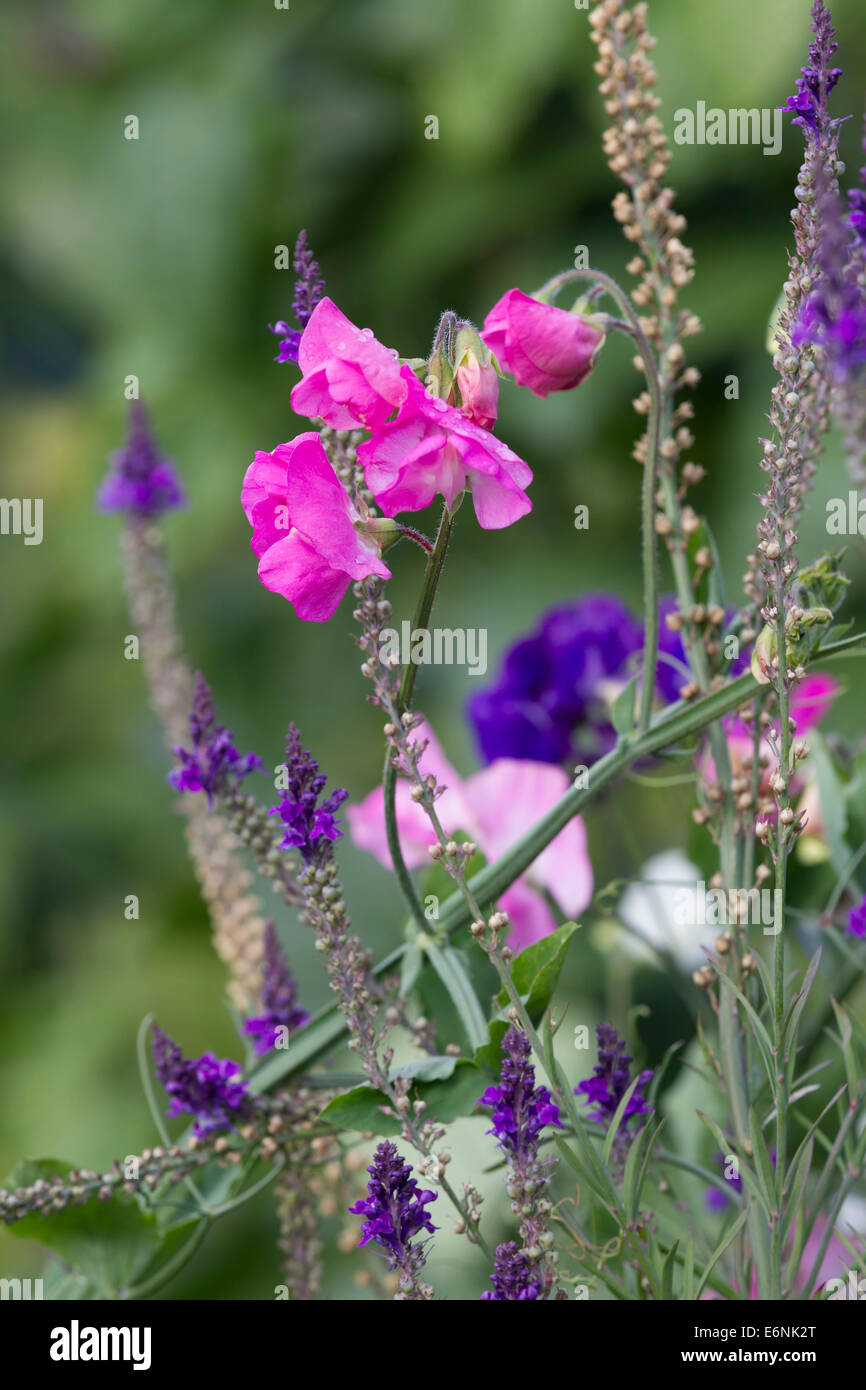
[349, 377]
[544, 348]
[304, 528]
[494, 807]
[432, 447]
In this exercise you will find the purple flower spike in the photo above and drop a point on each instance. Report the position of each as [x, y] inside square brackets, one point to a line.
[140, 481]
[857, 919]
[309, 289]
[395, 1209]
[520, 1108]
[279, 989]
[607, 1087]
[214, 765]
[205, 1088]
[512, 1276]
[306, 823]
[834, 315]
[817, 79]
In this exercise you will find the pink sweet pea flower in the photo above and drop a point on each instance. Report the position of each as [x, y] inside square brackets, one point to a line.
[304, 528]
[495, 807]
[544, 348]
[432, 447]
[810, 701]
[349, 378]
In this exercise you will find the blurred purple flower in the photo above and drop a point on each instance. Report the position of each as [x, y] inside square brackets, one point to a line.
[607, 1087]
[279, 990]
[140, 481]
[857, 919]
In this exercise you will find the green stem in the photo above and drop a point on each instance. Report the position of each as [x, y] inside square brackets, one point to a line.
[173, 1266]
[423, 609]
[781, 883]
[650, 474]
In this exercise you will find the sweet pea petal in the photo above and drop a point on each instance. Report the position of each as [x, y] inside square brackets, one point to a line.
[296, 570]
[507, 799]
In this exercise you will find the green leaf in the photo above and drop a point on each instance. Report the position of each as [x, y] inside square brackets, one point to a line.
[763, 1166]
[360, 1109]
[689, 1269]
[643, 1147]
[797, 1191]
[108, 1243]
[583, 1172]
[668, 1273]
[426, 1069]
[410, 967]
[727, 1239]
[831, 794]
[447, 1099]
[490, 1055]
[622, 711]
[845, 1035]
[536, 970]
[617, 1119]
[450, 967]
[61, 1284]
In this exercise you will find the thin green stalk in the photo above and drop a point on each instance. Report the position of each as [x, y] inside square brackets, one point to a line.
[179, 1261]
[429, 585]
[781, 883]
[650, 472]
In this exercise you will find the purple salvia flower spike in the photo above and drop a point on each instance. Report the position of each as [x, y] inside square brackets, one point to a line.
[140, 481]
[213, 764]
[279, 990]
[395, 1211]
[309, 827]
[606, 1088]
[309, 289]
[520, 1112]
[206, 1088]
[808, 105]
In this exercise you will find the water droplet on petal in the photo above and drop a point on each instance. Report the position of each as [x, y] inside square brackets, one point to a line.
[341, 347]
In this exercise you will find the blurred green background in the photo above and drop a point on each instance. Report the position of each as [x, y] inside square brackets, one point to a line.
[156, 257]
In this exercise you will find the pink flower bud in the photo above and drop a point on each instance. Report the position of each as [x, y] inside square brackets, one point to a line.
[544, 348]
[477, 379]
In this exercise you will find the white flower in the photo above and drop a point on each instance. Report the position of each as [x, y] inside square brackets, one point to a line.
[667, 911]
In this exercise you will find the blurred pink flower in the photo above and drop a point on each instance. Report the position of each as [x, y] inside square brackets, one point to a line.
[432, 447]
[349, 377]
[544, 348]
[304, 528]
[494, 807]
[810, 701]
